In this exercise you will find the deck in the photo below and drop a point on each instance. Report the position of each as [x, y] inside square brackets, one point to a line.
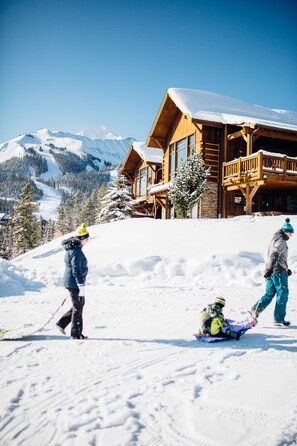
[267, 168]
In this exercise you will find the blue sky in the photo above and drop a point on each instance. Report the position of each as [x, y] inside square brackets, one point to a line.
[69, 64]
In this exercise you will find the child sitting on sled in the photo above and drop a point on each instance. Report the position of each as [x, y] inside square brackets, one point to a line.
[213, 322]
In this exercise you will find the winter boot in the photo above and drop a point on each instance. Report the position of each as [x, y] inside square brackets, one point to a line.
[62, 330]
[81, 337]
[281, 324]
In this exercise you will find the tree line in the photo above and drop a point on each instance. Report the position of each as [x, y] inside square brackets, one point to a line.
[26, 231]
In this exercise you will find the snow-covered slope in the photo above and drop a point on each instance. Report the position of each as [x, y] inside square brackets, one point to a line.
[142, 379]
[108, 149]
[98, 132]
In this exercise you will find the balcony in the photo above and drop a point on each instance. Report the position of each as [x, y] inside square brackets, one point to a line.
[260, 168]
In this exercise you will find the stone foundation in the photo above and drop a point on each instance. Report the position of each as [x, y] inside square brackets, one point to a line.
[208, 206]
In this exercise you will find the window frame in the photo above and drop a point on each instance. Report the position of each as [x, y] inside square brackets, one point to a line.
[173, 157]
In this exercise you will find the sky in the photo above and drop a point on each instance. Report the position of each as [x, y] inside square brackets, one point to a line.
[69, 64]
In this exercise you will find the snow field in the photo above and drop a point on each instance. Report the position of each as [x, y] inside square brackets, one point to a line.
[142, 379]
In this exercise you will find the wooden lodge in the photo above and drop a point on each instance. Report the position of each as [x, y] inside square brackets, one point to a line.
[143, 169]
[251, 152]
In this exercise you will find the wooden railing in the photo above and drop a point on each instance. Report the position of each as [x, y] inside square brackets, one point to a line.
[258, 167]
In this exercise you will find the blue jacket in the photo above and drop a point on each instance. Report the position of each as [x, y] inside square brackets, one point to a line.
[76, 264]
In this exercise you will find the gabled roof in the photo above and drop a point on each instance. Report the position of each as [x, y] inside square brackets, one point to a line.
[211, 107]
[139, 152]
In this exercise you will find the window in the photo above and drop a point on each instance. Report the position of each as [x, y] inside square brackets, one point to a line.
[171, 162]
[178, 153]
[142, 182]
[181, 152]
[149, 176]
[190, 145]
[137, 186]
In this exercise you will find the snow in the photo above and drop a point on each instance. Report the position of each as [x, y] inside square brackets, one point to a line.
[98, 132]
[148, 154]
[218, 108]
[111, 148]
[49, 203]
[142, 379]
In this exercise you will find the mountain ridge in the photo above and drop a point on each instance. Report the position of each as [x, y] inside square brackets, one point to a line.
[107, 150]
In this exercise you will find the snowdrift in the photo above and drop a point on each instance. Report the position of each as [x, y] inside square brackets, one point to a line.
[137, 252]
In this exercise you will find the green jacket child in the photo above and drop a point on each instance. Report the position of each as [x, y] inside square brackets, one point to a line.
[212, 320]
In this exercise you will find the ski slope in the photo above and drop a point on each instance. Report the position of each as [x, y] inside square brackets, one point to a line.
[142, 379]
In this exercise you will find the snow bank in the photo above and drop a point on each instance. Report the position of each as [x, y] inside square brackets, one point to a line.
[15, 280]
[170, 252]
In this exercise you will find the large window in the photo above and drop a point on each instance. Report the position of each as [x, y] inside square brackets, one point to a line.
[190, 145]
[181, 152]
[143, 180]
[178, 153]
[171, 161]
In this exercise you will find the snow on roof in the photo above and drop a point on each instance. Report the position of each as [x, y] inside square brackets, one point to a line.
[214, 107]
[148, 154]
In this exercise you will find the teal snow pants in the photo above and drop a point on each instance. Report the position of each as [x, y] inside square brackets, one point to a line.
[276, 284]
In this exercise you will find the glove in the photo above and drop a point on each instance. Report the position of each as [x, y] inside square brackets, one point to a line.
[82, 290]
[268, 273]
[289, 272]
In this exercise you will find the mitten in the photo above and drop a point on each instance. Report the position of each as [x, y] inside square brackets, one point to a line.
[289, 272]
[82, 290]
[268, 273]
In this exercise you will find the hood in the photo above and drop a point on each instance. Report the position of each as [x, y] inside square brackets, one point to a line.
[71, 243]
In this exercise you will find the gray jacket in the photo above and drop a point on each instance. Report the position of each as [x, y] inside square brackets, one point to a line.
[277, 256]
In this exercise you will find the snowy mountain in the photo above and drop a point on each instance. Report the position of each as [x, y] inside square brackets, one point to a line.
[98, 132]
[142, 379]
[97, 150]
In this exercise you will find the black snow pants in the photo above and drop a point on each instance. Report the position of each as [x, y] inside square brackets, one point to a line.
[74, 315]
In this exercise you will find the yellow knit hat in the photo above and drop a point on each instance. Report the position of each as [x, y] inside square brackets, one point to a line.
[82, 232]
[220, 300]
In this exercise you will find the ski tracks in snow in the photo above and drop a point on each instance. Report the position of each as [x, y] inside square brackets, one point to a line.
[127, 402]
[158, 389]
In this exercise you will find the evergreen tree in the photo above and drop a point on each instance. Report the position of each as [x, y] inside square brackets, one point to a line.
[117, 203]
[27, 232]
[99, 201]
[77, 203]
[64, 222]
[4, 242]
[89, 209]
[49, 232]
[188, 185]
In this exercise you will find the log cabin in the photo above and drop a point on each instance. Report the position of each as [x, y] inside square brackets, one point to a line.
[251, 152]
[143, 170]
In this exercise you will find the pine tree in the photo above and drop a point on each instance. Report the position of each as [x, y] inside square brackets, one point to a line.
[4, 246]
[77, 203]
[89, 209]
[99, 201]
[117, 203]
[64, 221]
[27, 233]
[49, 232]
[188, 185]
